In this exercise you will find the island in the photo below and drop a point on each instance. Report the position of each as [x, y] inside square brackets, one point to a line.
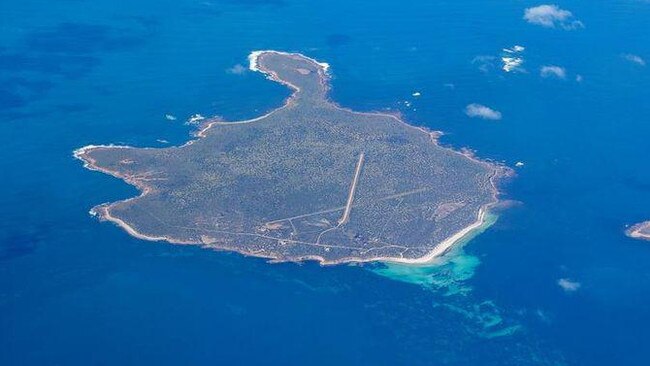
[639, 231]
[310, 180]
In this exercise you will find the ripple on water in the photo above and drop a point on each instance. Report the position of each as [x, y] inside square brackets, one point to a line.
[448, 276]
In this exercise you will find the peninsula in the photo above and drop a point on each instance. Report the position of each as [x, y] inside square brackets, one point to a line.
[309, 180]
[639, 231]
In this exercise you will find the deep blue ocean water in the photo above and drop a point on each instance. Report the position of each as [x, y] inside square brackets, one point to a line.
[74, 291]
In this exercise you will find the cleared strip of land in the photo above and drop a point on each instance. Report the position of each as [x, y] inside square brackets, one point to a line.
[348, 206]
[292, 166]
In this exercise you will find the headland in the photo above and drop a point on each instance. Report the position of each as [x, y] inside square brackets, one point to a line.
[309, 180]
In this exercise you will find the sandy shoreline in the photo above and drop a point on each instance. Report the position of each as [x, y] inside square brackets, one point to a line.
[103, 211]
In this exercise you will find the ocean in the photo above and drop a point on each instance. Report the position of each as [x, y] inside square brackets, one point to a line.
[553, 280]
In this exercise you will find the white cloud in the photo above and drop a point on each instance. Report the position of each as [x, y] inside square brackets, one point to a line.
[512, 60]
[509, 60]
[516, 48]
[237, 69]
[543, 316]
[551, 16]
[475, 110]
[568, 285]
[485, 62]
[634, 59]
[552, 71]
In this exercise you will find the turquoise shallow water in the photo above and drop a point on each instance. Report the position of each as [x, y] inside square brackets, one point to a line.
[447, 274]
[76, 291]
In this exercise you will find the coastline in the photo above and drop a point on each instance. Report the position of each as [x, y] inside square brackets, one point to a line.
[443, 247]
[446, 272]
[636, 231]
[103, 210]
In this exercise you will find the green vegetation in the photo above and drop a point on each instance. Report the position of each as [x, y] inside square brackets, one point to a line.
[309, 180]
